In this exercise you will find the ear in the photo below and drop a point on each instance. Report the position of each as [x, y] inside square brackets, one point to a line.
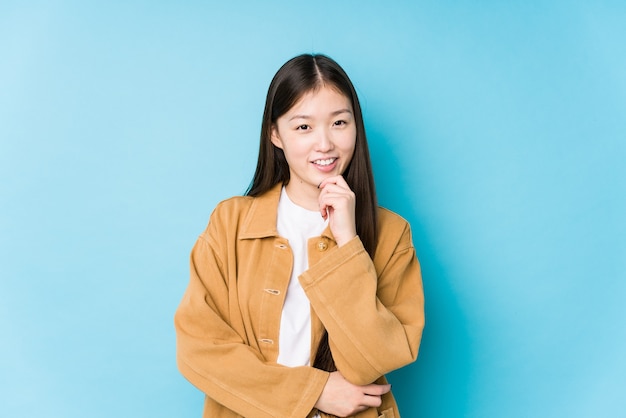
[275, 138]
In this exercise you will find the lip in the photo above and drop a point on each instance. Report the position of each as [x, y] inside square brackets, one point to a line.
[326, 168]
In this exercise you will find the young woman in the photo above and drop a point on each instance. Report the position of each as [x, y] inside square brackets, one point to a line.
[303, 293]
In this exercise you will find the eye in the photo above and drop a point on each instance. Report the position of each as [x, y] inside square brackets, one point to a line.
[303, 128]
[340, 123]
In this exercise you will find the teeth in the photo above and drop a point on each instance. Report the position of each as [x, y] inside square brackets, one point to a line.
[325, 162]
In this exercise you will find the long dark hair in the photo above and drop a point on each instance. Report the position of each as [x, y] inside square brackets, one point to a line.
[298, 76]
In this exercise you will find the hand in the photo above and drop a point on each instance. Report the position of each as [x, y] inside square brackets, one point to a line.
[343, 399]
[338, 203]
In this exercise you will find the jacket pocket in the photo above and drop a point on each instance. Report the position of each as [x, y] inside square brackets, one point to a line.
[387, 413]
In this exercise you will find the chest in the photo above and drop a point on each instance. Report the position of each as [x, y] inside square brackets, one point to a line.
[258, 284]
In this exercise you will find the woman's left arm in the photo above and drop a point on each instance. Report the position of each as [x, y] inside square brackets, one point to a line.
[373, 310]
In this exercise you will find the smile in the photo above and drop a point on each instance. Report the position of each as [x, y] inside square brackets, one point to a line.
[328, 161]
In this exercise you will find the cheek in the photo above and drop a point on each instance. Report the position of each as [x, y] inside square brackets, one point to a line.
[349, 142]
[293, 150]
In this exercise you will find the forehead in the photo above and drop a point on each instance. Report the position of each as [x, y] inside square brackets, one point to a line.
[326, 99]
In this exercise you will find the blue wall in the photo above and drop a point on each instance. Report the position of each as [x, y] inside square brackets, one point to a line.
[497, 129]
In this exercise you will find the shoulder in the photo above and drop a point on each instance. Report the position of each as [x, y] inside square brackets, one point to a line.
[233, 206]
[394, 232]
[391, 219]
[245, 216]
[227, 216]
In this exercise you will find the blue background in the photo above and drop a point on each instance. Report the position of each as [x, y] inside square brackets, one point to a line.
[498, 129]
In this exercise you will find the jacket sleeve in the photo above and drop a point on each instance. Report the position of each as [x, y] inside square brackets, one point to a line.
[374, 319]
[213, 355]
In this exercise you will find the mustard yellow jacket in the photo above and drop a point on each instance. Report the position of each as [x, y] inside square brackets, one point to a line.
[227, 324]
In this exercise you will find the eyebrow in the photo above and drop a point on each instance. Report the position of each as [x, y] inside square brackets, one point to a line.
[335, 113]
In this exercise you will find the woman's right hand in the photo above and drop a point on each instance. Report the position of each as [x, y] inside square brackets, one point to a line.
[342, 398]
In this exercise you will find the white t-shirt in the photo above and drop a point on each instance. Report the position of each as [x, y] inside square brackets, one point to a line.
[297, 224]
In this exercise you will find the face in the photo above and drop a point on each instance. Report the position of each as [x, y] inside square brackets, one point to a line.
[317, 136]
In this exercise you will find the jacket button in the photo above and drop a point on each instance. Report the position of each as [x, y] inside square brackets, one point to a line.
[322, 246]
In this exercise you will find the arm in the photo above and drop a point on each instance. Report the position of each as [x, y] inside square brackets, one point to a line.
[374, 319]
[212, 348]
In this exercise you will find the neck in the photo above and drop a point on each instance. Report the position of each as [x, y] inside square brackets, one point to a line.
[301, 195]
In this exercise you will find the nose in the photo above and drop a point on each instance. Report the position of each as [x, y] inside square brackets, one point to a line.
[324, 141]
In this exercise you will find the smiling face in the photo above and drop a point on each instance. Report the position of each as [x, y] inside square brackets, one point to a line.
[317, 136]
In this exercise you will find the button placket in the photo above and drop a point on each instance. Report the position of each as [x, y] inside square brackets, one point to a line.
[273, 288]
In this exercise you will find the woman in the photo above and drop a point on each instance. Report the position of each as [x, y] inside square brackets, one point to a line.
[303, 293]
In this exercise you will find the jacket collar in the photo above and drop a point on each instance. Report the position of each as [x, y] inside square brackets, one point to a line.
[261, 219]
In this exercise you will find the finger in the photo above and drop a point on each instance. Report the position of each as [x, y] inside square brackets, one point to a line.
[328, 207]
[324, 210]
[363, 407]
[336, 200]
[376, 390]
[336, 190]
[337, 180]
[372, 401]
[338, 187]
